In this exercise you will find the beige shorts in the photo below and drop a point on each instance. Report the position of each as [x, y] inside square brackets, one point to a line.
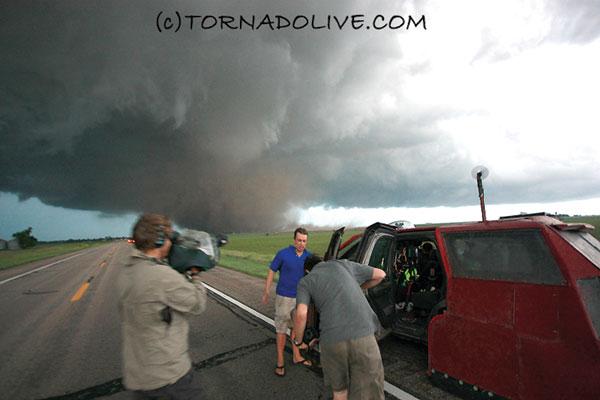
[354, 365]
[283, 308]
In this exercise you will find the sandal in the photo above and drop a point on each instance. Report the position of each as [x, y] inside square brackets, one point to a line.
[304, 361]
[282, 369]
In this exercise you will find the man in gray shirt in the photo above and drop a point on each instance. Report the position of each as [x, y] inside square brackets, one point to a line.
[349, 352]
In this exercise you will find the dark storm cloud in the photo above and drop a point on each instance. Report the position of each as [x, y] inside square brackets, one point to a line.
[101, 112]
[219, 129]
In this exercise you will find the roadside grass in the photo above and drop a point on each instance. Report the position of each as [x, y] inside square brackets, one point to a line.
[245, 265]
[13, 258]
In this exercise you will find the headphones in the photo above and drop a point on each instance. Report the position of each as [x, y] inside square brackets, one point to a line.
[161, 238]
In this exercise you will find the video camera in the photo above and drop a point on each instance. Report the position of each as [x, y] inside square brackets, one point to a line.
[192, 248]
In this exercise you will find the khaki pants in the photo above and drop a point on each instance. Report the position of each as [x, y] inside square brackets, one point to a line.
[354, 365]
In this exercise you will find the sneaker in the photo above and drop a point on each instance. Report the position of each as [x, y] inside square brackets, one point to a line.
[409, 307]
[400, 306]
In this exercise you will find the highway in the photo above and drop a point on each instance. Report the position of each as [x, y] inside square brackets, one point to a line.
[60, 337]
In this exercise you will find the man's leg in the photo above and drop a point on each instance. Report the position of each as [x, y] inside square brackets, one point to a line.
[283, 321]
[366, 369]
[334, 360]
[295, 350]
[280, 330]
[297, 356]
[280, 347]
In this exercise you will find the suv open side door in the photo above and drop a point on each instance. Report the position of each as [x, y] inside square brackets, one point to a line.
[377, 250]
[334, 244]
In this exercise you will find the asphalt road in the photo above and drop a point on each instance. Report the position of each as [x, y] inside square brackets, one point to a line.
[60, 337]
[52, 344]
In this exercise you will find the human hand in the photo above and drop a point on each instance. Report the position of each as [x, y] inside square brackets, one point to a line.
[303, 346]
[192, 274]
[265, 298]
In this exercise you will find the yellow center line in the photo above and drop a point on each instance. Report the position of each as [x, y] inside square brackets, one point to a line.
[80, 292]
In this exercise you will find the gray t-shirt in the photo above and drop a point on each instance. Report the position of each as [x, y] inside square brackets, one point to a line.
[334, 286]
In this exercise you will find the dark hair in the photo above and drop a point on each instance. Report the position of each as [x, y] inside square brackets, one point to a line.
[148, 229]
[311, 261]
[301, 231]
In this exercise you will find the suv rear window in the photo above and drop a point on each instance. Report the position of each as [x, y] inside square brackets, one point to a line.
[587, 244]
[590, 291]
[507, 255]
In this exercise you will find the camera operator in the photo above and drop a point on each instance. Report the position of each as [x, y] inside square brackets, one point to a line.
[350, 355]
[154, 303]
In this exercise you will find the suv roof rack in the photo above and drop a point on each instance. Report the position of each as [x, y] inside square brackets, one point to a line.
[537, 214]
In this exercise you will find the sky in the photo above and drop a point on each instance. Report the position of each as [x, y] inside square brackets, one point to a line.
[110, 109]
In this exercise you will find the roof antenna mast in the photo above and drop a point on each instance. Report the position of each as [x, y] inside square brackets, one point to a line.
[480, 173]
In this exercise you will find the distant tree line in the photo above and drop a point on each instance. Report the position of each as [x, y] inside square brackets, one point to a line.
[104, 239]
[25, 238]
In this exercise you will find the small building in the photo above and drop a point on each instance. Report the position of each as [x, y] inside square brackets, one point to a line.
[13, 244]
[3, 244]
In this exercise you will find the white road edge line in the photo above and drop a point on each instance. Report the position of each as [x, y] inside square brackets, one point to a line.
[388, 387]
[241, 305]
[39, 269]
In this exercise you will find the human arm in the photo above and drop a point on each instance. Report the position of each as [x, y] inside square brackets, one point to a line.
[265, 297]
[275, 266]
[300, 315]
[376, 278]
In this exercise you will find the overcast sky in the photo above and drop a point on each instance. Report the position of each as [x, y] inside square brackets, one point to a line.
[105, 113]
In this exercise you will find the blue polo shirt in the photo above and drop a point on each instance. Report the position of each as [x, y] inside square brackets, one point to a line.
[291, 269]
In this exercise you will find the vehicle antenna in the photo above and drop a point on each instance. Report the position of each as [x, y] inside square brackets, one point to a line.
[480, 173]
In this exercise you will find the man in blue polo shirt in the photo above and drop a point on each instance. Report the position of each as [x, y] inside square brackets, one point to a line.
[289, 261]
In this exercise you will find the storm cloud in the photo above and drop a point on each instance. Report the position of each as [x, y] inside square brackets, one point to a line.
[229, 129]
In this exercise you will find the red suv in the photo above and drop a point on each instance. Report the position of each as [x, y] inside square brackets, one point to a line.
[508, 308]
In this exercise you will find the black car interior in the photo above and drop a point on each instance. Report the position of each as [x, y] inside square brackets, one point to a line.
[419, 283]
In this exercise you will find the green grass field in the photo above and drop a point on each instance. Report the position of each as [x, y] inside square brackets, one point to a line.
[12, 258]
[252, 253]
